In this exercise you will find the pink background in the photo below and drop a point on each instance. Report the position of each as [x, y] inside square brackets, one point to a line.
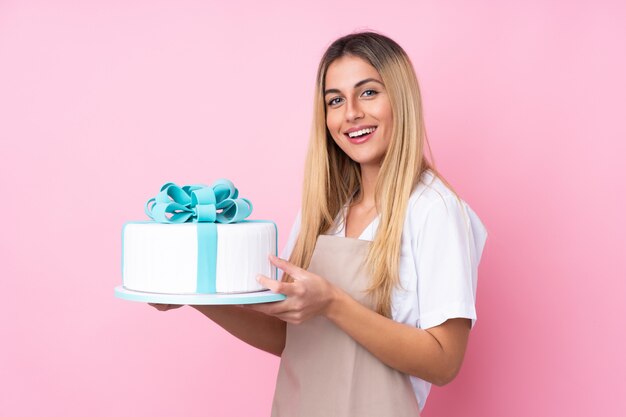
[103, 102]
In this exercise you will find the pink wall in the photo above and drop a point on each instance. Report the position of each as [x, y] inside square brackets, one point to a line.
[102, 102]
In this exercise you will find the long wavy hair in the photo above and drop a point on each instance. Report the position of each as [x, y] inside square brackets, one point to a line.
[331, 178]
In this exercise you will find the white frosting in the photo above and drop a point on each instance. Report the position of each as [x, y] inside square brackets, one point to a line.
[163, 258]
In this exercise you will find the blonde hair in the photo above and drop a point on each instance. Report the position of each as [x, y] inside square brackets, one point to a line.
[332, 178]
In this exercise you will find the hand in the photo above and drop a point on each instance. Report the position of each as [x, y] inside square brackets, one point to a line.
[308, 295]
[165, 307]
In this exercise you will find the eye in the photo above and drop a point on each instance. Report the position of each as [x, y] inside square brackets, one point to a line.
[332, 101]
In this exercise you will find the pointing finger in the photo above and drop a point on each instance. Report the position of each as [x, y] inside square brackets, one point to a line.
[273, 285]
[269, 283]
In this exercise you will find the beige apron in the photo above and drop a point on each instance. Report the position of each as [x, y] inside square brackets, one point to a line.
[323, 371]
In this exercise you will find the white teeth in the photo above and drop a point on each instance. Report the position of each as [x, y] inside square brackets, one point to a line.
[361, 132]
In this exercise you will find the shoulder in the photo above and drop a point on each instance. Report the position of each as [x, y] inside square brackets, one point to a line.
[429, 195]
[435, 212]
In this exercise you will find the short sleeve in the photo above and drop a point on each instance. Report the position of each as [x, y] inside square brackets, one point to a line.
[291, 241]
[447, 251]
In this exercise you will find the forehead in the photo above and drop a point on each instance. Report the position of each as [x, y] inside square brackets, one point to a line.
[346, 71]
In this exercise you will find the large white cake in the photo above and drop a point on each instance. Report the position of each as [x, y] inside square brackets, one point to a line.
[197, 258]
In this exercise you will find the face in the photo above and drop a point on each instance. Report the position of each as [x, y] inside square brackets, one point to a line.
[357, 102]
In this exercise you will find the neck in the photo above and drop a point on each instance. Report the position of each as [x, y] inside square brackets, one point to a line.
[369, 175]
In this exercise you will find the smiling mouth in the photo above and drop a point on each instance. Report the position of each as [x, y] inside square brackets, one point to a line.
[361, 133]
[361, 136]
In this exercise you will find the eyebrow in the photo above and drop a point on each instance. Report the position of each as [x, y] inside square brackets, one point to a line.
[360, 83]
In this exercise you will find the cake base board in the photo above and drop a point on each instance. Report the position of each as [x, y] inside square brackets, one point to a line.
[198, 299]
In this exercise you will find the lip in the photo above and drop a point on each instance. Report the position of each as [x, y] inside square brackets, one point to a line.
[355, 128]
[361, 139]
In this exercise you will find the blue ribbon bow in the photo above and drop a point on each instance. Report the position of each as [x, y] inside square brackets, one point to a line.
[198, 203]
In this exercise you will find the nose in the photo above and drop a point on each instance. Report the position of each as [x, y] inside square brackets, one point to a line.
[353, 110]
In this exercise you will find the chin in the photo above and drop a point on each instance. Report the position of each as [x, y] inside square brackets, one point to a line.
[366, 159]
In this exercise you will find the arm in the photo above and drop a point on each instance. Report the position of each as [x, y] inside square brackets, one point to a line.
[434, 355]
[256, 329]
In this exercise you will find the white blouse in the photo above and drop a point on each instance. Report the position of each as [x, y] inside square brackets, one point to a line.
[442, 243]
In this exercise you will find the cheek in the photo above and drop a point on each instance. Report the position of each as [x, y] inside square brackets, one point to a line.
[386, 115]
[384, 112]
[388, 121]
[333, 127]
[331, 122]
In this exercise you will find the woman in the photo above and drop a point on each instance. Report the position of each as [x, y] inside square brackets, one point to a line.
[383, 256]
